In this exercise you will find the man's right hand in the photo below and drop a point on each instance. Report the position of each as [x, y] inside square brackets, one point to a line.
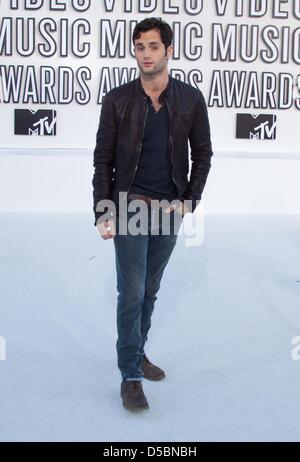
[106, 229]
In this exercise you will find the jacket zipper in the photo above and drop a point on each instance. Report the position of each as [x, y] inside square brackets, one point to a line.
[171, 142]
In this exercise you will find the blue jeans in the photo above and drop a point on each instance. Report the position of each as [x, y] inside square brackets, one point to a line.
[140, 263]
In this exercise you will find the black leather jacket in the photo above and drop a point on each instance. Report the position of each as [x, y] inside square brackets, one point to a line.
[120, 133]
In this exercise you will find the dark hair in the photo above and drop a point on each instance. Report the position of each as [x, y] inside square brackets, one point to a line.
[166, 33]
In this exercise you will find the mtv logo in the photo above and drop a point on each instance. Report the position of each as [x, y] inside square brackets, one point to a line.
[41, 122]
[256, 127]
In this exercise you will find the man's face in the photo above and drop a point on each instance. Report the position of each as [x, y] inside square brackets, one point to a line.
[150, 53]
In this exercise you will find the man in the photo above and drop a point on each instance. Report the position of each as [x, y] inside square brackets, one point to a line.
[142, 152]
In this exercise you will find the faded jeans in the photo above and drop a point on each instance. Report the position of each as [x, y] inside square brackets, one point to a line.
[140, 263]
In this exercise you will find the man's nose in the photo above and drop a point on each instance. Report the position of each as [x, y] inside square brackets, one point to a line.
[147, 52]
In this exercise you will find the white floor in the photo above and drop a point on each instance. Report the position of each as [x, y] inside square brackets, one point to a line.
[222, 329]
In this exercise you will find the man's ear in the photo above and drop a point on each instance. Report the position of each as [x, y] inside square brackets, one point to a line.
[169, 51]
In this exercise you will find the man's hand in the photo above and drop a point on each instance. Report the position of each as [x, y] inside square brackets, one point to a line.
[106, 229]
[179, 207]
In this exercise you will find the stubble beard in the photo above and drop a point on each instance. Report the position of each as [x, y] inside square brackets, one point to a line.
[158, 69]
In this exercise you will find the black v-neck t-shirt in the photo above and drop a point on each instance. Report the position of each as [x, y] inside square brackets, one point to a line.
[154, 174]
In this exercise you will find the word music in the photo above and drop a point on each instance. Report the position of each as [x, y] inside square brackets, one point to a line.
[249, 42]
[52, 37]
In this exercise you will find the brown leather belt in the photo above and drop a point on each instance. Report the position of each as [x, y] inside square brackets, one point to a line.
[147, 199]
[141, 197]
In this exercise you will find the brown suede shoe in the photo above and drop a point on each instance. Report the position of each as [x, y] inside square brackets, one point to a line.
[133, 395]
[150, 371]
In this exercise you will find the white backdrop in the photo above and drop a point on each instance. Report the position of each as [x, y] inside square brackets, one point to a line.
[244, 55]
[64, 55]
